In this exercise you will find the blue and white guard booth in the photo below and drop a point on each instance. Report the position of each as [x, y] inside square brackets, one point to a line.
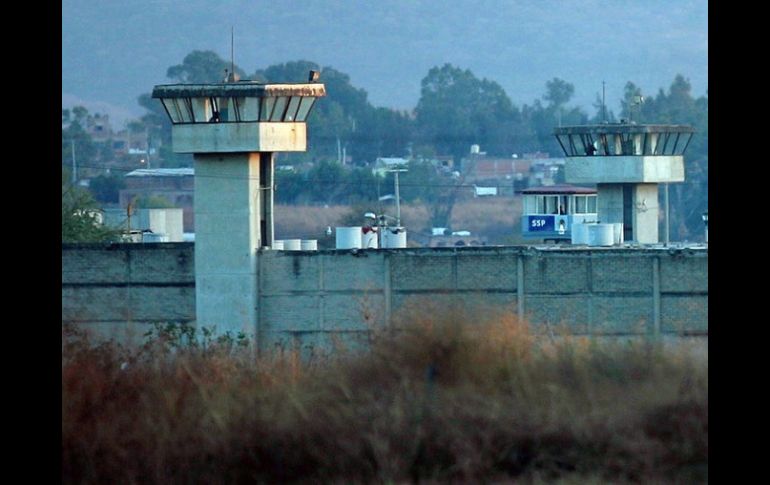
[549, 212]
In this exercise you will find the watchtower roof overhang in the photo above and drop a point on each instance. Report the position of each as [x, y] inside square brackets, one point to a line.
[625, 128]
[240, 89]
[624, 139]
[238, 102]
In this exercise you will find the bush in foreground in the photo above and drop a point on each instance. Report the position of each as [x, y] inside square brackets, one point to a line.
[446, 397]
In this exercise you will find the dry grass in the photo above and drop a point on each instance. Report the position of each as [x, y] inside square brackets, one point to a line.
[443, 396]
[493, 217]
[306, 222]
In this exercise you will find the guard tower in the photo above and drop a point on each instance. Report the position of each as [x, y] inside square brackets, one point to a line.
[234, 129]
[626, 161]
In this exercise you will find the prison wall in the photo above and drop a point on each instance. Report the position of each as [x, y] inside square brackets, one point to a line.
[119, 290]
[317, 299]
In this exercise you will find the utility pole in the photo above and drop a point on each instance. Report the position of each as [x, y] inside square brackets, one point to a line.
[665, 193]
[128, 217]
[604, 108]
[398, 197]
[74, 163]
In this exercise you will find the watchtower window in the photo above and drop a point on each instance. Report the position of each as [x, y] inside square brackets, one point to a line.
[580, 204]
[564, 204]
[552, 204]
[279, 108]
[304, 108]
[530, 204]
[591, 204]
[291, 111]
[267, 108]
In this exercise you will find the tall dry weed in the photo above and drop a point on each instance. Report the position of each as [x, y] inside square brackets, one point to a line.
[448, 393]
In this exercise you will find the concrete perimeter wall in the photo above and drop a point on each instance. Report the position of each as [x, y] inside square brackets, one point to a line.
[310, 299]
[117, 290]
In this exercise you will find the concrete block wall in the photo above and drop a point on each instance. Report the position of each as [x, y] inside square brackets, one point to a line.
[118, 290]
[308, 298]
[318, 299]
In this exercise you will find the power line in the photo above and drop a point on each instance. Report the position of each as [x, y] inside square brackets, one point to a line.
[318, 181]
[342, 183]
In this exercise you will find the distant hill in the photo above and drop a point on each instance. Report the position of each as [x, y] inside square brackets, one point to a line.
[114, 51]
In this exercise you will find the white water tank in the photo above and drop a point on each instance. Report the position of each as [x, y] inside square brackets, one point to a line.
[348, 237]
[394, 237]
[618, 233]
[309, 244]
[579, 233]
[601, 235]
[150, 237]
[292, 244]
[278, 244]
[369, 240]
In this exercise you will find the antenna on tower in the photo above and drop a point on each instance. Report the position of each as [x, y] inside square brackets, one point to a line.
[604, 110]
[230, 76]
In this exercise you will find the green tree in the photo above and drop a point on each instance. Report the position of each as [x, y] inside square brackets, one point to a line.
[688, 200]
[335, 116]
[289, 72]
[76, 142]
[558, 92]
[327, 181]
[543, 118]
[382, 132]
[361, 186]
[201, 67]
[423, 184]
[630, 94]
[288, 186]
[677, 106]
[156, 121]
[79, 215]
[196, 67]
[106, 188]
[456, 110]
[602, 112]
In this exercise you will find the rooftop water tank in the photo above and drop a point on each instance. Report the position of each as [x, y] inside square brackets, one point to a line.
[292, 244]
[618, 233]
[394, 237]
[601, 234]
[348, 237]
[150, 237]
[309, 244]
[579, 233]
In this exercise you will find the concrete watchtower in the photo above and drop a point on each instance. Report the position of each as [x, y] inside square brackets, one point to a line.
[234, 129]
[627, 162]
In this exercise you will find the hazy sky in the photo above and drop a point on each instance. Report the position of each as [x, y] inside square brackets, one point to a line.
[112, 51]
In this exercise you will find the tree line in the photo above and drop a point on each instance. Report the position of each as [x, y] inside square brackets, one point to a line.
[455, 110]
